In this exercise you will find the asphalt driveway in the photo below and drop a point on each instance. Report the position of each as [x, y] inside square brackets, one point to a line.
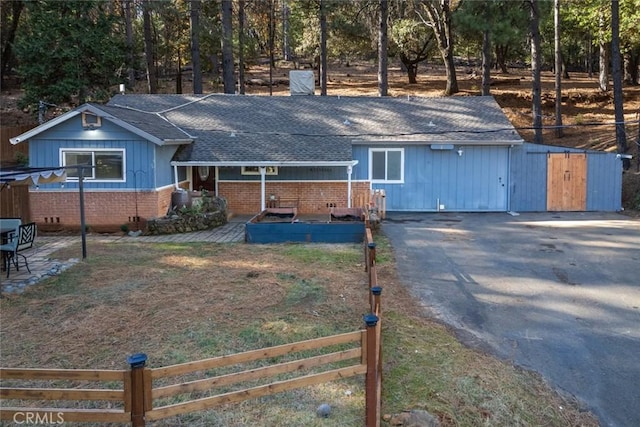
[558, 293]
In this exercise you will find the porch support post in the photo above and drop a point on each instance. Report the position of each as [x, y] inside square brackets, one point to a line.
[217, 178]
[349, 171]
[263, 174]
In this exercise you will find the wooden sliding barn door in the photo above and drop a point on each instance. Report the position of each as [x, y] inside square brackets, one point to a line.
[567, 182]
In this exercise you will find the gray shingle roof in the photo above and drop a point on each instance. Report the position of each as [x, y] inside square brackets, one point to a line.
[232, 128]
[153, 124]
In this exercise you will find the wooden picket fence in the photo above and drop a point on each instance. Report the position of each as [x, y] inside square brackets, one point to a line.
[133, 398]
[374, 200]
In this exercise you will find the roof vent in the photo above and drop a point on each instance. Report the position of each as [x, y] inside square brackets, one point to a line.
[90, 120]
[302, 82]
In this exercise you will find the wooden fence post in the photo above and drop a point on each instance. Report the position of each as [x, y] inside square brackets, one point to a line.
[372, 405]
[375, 308]
[137, 362]
[372, 259]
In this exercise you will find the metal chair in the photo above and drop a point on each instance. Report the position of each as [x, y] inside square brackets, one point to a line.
[9, 248]
[26, 238]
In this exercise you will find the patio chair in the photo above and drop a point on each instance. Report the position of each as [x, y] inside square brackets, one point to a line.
[26, 238]
[8, 247]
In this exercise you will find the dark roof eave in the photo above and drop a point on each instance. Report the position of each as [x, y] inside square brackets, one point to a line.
[437, 142]
[177, 141]
[266, 163]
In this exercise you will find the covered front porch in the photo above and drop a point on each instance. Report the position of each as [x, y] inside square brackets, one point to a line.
[249, 188]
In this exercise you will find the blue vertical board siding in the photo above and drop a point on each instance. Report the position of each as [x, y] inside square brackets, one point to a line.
[140, 155]
[528, 187]
[161, 166]
[528, 190]
[604, 182]
[477, 181]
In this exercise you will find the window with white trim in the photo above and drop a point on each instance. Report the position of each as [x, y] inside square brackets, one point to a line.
[386, 165]
[108, 164]
[255, 170]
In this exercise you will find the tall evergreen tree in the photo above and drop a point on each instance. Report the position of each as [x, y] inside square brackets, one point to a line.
[10, 12]
[616, 60]
[227, 47]
[152, 78]
[536, 88]
[383, 57]
[194, 16]
[68, 50]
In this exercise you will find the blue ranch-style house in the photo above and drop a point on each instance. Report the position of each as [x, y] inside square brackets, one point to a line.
[454, 154]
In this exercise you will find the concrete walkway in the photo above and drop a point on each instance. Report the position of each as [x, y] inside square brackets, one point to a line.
[42, 266]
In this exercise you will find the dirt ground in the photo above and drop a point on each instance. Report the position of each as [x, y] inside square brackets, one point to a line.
[583, 103]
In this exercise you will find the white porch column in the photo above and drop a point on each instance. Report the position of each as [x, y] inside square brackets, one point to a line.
[349, 171]
[263, 174]
[217, 178]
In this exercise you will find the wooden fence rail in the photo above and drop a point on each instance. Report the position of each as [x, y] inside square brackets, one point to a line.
[56, 414]
[136, 395]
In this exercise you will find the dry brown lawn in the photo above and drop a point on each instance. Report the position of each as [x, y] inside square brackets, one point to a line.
[184, 302]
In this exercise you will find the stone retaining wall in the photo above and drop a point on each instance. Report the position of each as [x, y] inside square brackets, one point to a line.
[210, 213]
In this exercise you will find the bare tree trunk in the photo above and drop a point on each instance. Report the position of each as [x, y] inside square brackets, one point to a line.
[486, 63]
[195, 46]
[383, 59]
[558, 68]
[618, 99]
[241, 18]
[604, 56]
[227, 47]
[535, 71]
[179, 74]
[286, 45]
[631, 66]
[128, 28]
[272, 62]
[323, 48]
[590, 55]
[440, 21]
[152, 80]
[501, 58]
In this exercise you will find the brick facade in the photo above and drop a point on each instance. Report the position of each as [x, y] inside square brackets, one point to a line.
[104, 210]
[310, 197]
[108, 210]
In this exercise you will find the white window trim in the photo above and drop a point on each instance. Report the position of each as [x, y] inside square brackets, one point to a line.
[89, 174]
[271, 170]
[386, 166]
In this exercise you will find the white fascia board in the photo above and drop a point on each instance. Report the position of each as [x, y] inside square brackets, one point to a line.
[43, 127]
[258, 164]
[102, 114]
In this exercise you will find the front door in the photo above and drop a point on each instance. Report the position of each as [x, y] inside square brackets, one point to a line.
[203, 178]
[567, 182]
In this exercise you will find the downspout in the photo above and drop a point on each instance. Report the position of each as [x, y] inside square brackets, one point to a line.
[217, 178]
[263, 174]
[509, 179]
[349, 171]
[175, 176]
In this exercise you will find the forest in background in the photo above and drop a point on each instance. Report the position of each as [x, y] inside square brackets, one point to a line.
[59, 54]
